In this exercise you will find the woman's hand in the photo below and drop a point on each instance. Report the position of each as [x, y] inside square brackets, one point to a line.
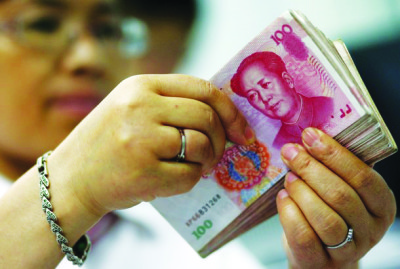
[328, 191]
[123, 152]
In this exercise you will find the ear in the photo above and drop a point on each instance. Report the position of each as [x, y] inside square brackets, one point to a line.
[288, 79]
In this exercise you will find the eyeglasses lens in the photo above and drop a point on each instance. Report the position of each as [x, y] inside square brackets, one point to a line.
[50, 33]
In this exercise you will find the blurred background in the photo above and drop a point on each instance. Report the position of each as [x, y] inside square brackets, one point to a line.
[223, 27]
[371, 31]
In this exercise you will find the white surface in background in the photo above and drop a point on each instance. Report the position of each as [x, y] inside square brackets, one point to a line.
[225, 26]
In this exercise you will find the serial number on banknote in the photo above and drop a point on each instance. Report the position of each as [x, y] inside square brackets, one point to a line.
[203, 210]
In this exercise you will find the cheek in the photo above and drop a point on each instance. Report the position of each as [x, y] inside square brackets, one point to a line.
[289, 102]
[21, 95]
[263, 108]
[20, 120]
[285, 107]
[258, 104]
[23, 71]
[22, 80]
[118, 70]
[20, 105]
[165, 49]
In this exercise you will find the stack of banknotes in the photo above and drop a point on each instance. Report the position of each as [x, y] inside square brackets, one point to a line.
[287, 78]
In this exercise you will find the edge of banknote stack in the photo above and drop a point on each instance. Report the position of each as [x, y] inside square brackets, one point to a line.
[370, 140]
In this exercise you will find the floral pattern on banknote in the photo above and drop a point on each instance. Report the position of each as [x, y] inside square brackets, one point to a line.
[246, 172]
[242, 167]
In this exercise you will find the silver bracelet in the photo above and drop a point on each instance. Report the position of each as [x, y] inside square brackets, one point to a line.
[79, 252]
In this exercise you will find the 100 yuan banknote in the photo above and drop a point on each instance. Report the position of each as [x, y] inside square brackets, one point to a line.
[282, 83]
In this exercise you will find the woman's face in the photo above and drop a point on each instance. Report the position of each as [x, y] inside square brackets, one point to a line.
[272, 95]
[45, 92]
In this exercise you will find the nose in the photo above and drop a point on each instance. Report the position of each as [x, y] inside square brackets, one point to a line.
[265, 97]
[84, 57]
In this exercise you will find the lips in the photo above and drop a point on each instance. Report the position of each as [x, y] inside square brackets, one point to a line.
[74, 105]
[274, 106]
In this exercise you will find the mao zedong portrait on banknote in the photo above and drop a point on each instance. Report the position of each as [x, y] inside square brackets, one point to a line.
[262, 78]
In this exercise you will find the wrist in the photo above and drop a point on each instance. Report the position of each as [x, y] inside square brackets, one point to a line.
[71, 204]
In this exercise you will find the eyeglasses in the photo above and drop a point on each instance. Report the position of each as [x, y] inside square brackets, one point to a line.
[50, 33]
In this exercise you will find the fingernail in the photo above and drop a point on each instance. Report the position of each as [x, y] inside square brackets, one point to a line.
[249, 135]
[311, 137]
[291, 177]
[290, 151]
[283, 194]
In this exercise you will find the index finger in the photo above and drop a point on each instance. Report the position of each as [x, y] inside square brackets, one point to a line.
[235, 125]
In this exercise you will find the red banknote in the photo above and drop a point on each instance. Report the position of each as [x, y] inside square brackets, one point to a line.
[286, 79]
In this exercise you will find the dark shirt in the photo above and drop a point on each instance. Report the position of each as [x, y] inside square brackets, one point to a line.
[315, 112]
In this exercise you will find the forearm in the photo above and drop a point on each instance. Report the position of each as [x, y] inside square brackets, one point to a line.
[26, 240]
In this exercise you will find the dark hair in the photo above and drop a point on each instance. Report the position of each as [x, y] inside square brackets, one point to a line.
[183, 10]
[269, 60]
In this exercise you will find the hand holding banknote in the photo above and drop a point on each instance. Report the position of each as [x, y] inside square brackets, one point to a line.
[329, 191]
[147, 117]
